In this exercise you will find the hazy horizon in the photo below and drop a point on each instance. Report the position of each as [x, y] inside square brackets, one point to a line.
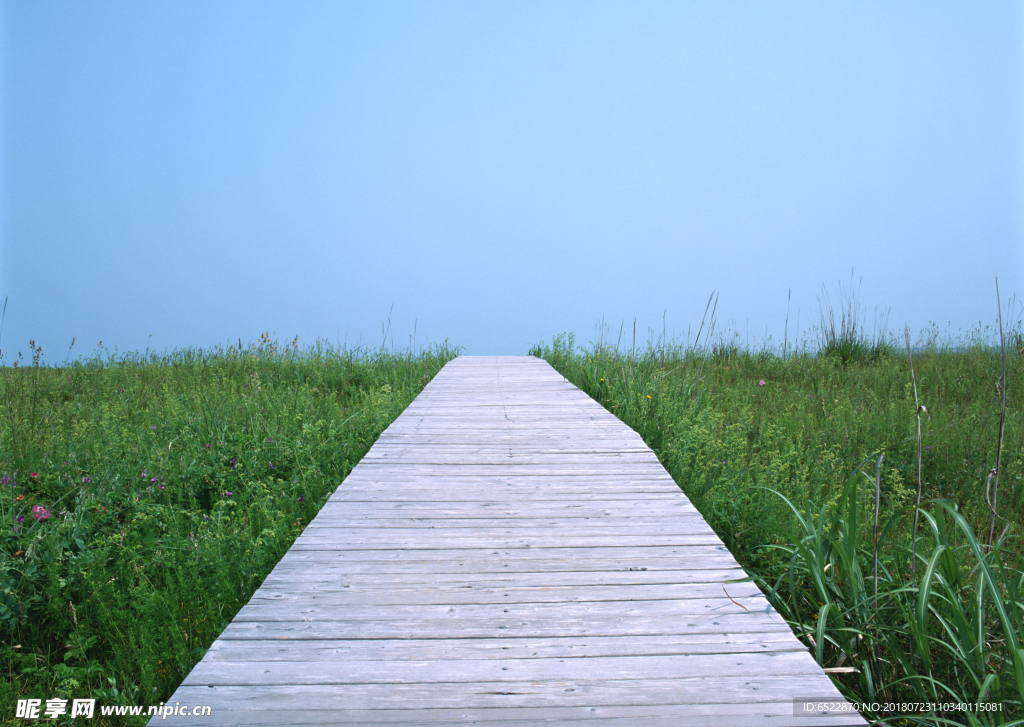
[187, 175]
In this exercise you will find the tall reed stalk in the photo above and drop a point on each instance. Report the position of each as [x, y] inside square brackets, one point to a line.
[917, 410]
[994, 502]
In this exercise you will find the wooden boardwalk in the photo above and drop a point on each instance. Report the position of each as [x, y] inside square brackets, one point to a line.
[507, 553]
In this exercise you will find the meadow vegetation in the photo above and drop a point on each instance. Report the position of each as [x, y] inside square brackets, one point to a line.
[806, 464]
[145, 498]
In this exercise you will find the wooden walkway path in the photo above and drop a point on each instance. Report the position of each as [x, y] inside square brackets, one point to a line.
[507, 553]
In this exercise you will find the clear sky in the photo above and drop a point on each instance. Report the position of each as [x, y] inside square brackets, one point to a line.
[189, 173]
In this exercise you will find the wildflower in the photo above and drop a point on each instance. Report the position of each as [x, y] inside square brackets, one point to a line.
[228, 493]
[761, 382]
[33, 474]
[19, 497]
[86, 479]
[21, 518]
[233, 462]
[648, 396]
[152, 426]
[207, 446]
[302, 498]
[271, 465]
[39, 512]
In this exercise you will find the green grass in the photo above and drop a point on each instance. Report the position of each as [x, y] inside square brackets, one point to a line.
[173, 484]
[778, 453]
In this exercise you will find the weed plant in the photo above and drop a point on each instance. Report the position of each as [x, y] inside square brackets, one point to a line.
[145, 498]
[764, 444]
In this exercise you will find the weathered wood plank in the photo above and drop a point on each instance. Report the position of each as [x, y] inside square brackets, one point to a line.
[343, 594]
[727, 692]
[454, 668]
[507, 553]
[499, 626]
[239, 651]
[382, 578]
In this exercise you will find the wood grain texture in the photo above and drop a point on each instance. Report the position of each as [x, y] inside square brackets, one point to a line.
[507, 553]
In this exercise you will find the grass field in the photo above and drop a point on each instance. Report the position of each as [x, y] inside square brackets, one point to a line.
[146, 498]
[784, 456]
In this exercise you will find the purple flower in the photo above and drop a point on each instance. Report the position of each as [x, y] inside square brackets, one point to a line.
[233, 462]
[207, 446]
[21, 518]
[228, 493]
[86, 479]
[271, 465]
[302, 498]
[40, 513]
[761, 382]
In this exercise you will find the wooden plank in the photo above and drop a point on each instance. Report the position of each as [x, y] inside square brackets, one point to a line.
[698, 715]
[475, 566]
[566, 692]
[440, 670]
[507, 553]
[340, 576]
[564, 514]
[609, 618]
[603, 525]
[412, 625]
[333, 594]
[237, 651]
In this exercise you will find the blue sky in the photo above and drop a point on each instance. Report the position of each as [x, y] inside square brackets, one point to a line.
[189, 173]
